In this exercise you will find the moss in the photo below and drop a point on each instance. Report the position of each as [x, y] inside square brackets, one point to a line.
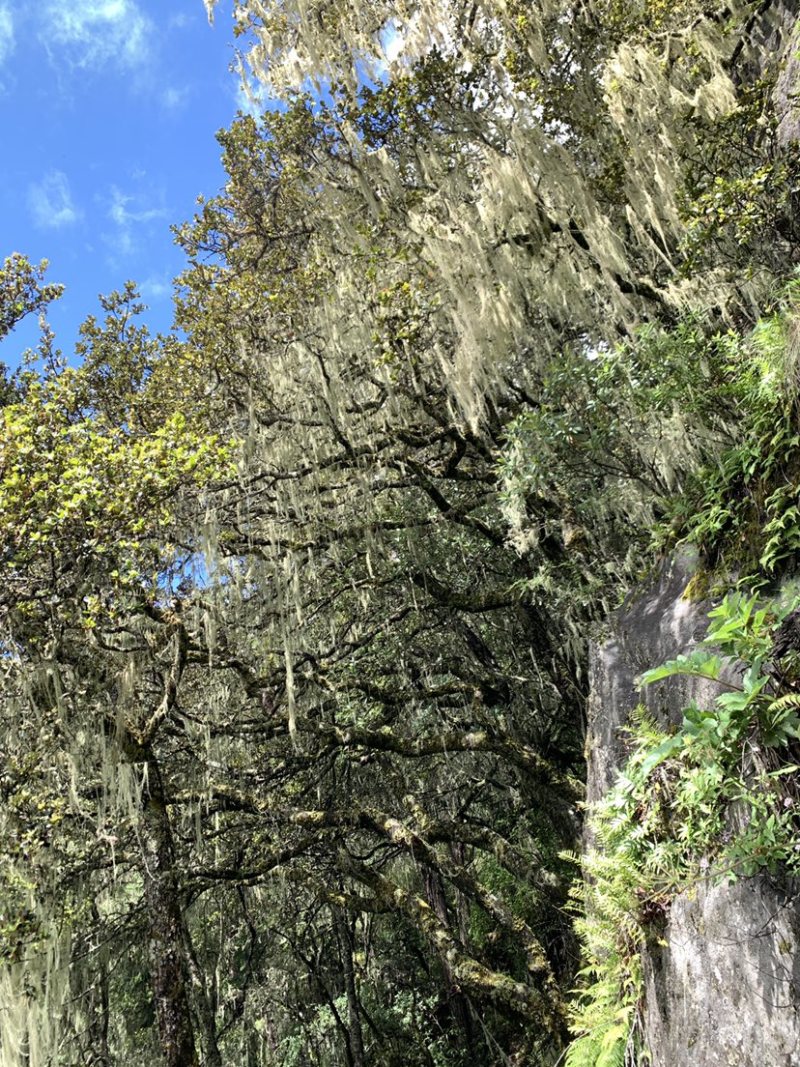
[698, 587]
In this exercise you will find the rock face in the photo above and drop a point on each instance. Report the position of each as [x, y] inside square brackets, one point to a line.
[655, 624]
[723, 989]
[785, 41]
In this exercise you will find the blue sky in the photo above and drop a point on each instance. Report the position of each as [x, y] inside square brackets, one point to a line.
[108, 110]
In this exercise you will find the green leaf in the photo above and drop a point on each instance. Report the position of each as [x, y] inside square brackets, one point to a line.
[700, 664]
[660, 753]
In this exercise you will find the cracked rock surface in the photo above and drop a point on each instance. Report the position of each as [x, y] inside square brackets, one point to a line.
[722, 977]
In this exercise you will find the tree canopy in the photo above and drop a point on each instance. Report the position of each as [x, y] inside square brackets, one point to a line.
[296, 600]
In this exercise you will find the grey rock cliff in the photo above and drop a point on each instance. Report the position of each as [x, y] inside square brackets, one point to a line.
[722, 980]
[786, 96]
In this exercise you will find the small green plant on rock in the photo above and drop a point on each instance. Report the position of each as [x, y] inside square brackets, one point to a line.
[716, 798]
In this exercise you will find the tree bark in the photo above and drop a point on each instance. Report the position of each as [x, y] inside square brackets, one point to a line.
[542, 1007]
[457, 1003]
[355, 1030]
[168, 964]
[97, 1052]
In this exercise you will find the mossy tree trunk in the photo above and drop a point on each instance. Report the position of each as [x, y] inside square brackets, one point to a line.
[169, 974]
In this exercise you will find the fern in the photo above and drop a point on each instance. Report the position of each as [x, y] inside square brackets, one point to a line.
[613, 1046]
[583, 1052]
[787, 701]
[780, 722]
[660, 828]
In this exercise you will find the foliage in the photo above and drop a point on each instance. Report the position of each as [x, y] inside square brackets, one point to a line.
[23, 291]
[615, 438]
[741, 510]
[716, 799]
[85, 480]
[679, 434]
[740, 208]
[295, 601]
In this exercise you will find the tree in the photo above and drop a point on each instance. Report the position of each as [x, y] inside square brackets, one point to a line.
[566, 171]
[295, 607]
[23, 291]
[88, 500]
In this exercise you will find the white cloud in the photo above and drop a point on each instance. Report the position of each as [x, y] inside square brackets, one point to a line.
[130, 215]
[120, 213]
[6, 32]
[174, 99]
[179, 22]
[50, 201]
[156, 288]
[93, 33]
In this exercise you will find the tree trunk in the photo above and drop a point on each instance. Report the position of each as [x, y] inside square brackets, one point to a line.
[457, 1003]
[355, 1031]
[168, 964]
[204, 1007]
[96, 1049]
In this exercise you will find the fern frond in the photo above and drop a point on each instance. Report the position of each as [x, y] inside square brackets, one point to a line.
[788, 700]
